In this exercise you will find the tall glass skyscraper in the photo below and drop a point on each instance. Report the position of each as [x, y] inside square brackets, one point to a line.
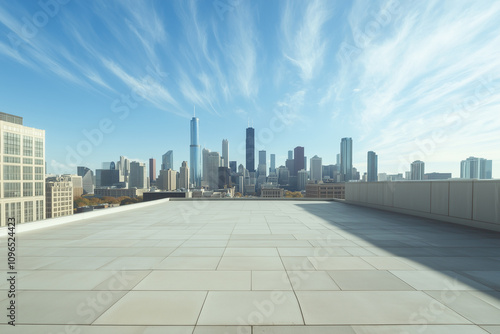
[195, 153]
[250, 150]
[346, 159]
[167, 160]
[372, 172]
[273, 164]
[298, 156]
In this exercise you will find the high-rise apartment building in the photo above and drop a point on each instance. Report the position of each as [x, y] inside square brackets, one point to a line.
[184, 176]
[476, 168]
[167, 180]
[22, 171]
[87, 179]
[417, 170]
[59, 196]
[250, 150]
[316, 168]
[152, 170]
[225, 153]
[345, 159]
[372, 171]
[298, 160]
[195, 153]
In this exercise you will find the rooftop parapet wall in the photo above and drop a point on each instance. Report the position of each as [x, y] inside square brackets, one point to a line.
[473, 203]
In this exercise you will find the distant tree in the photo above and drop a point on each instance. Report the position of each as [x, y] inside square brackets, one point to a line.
[237, 194]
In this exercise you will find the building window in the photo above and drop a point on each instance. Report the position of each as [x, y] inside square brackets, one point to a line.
[12, 143]
[27, 173]
[28, 189]
[27, 146]
[13, 210]
[38, 161]
[38, 173]
[11, 172]
[28, 212]
[28, 161]
[38, 188]
[39, 210]
[12, 189]
[12, 160]
[38, 148]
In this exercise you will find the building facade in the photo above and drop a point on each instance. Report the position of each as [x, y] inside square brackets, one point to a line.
[59, 196]
[316, 168]
[184, 176]
[476, 168]
[325, 190]
[250, 150]
[417, 170]
[22, 171]
[298, 157]
[346, 159]
[225, 153]
[152, 170]
[372, 170]
[167, 160]
[87, 179]
[195, 153]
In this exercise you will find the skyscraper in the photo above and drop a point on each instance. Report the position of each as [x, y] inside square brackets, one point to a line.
[345, 159]
[184, 176]
[290, 155]
[298, 156]
[195, 153]
[225, 153]
[87, 179]
[417, 170]
[273, 164]
[262, 167]
[476, 168]
[213, 165]
[372, 171]
[250, 150]
[316, 168]
[232, 166]
[204, 155]
[138, 175]
[152, 169]
[167, 160]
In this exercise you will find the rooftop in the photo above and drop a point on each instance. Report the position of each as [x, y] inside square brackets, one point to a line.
[256, 267]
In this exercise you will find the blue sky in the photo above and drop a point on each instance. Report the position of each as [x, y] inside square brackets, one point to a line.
[407, 79]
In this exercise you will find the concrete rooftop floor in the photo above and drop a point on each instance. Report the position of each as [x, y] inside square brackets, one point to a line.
[255, 267]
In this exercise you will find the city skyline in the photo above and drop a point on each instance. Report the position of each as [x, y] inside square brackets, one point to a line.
[305, 73]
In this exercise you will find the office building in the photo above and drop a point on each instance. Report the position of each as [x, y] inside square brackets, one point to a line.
[204, 178]
[195, 153]
[316, 168]
[272, 169]
[290, 165]
[124, 167]
[138, 175]
[290, 155]
[325, 190]
[283, 175]
[305, 163]
[476, 168]
[298, 159]
[272, 192]
[372, 170]
[58, 196]
[87, 179]
[77, 183]
[167, 160]
[301, 179]
[224, 178]
[346, 159]
[108, 165]
[250, 150]
[213, 165]
[120, 192]
[107, 177]
[262, 168]
[417, 170]
[152, 170]
[437, 176]
[184, 176]
[232, 166]
[225, 153]
[22, 171]
[167, 180]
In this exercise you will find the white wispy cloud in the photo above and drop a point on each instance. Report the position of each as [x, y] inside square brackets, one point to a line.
[413, 72]
[304, 41]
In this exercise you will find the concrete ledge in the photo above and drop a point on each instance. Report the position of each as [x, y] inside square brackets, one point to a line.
[474, 203]
[36, 225]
